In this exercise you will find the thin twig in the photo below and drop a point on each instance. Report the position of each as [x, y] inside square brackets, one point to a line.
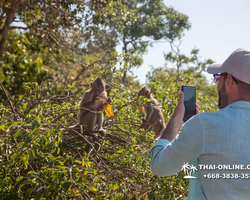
[122, 122]
[125, 105]
[85, 68]
[99, 158]
[12, 108]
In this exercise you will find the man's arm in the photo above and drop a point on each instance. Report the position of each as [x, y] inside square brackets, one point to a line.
[176, 120]
[172, 151]
[168, 157]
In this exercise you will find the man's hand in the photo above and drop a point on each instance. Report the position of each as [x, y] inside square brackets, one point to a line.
[180, 110]
[176, 120]
[197, 107]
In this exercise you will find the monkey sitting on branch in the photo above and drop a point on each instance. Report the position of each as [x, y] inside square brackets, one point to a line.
[154, 117]
[92, 105]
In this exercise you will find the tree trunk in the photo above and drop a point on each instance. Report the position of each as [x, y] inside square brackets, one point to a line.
[9, 19]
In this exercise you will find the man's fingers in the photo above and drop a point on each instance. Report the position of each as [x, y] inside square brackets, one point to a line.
[197, 111]
[179, 110]
[181, 97]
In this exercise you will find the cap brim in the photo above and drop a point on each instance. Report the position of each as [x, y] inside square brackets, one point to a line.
[215, 69]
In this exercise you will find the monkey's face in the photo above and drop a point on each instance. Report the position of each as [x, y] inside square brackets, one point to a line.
[99, 90]
[144, 92]
[98, 86]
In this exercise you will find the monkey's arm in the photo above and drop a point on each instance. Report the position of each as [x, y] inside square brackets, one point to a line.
[150, 109]
[87, 100]
[99, 120]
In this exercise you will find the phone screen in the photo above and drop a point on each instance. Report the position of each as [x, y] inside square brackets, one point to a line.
[189, 101]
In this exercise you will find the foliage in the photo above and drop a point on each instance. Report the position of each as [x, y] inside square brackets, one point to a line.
[41, 158]
[61, 24]
[139, 23]
[181, 69]
[46, 68]
[22, 63]
[91, 28]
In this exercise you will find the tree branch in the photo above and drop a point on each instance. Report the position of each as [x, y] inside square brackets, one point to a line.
[1, 18]
[8, 99]
[9, 19]
[84, 69]
[100, 158]
[19, 27]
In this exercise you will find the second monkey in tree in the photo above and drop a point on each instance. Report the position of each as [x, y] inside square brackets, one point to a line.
[154, 117]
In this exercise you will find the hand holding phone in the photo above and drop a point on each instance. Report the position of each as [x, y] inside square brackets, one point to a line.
[189, 101]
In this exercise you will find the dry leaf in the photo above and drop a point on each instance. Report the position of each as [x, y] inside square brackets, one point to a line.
[109, 110]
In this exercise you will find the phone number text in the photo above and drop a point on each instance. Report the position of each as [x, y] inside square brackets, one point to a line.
[227, 176]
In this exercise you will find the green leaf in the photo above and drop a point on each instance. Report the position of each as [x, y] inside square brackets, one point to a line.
[120, 151]
[60, 162]
[19, 179]
[43, 140]
[32, 153]
[48, 134]
[17, 133]
[134, 108]
[2, 128]
[78, 161]
[28, 140]
[33, 131]
[19, 144]
[1, 175]
[24, 106]
[66, 185]
[13, 156]
[26, 161]
[32, 173]
[115, 187]
[35, 124]
[75, 169]
[58, 150]
[92, 189]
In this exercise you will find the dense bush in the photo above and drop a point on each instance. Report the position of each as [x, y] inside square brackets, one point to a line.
[47, 61]
[42, 158]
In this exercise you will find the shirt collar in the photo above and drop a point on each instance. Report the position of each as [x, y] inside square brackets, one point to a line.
[242, 104]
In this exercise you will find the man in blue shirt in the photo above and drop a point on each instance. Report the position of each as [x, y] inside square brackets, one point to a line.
[219, 142]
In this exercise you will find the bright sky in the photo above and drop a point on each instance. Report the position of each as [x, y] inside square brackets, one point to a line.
[218, 28]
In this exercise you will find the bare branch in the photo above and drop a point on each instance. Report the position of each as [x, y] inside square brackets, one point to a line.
[19, 27]
[9, 19]
[100, 158]
[8, 99]
[1, 18]
[85, 68]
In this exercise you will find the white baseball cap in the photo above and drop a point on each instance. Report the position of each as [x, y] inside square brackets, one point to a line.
[237, 65]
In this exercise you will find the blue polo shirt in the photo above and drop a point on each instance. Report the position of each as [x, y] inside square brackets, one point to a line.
[218, 145]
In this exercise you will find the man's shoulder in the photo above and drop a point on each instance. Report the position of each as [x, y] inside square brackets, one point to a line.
[211, 115]
[207, 117]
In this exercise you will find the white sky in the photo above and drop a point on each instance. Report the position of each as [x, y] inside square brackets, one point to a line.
[218, 28]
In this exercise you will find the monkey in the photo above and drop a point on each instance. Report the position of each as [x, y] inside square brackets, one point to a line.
[154, 117]
[124, 79]
[92, 106]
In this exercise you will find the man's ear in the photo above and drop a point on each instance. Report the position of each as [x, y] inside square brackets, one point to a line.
[229, 83]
